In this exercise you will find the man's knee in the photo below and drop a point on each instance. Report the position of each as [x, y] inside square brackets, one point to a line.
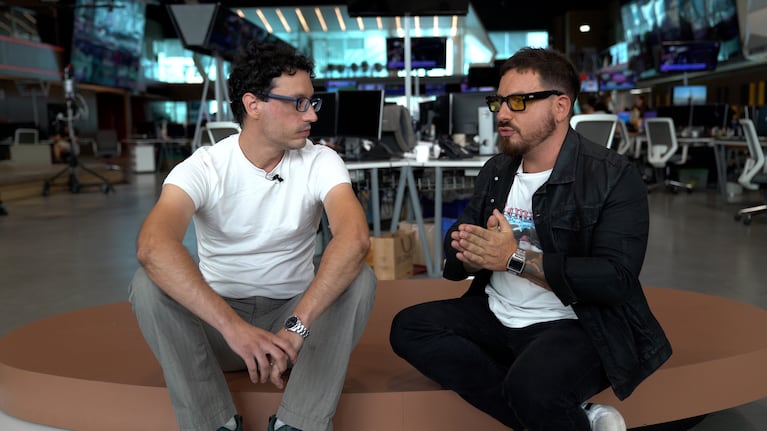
[363, 287]
[401, 332]
[142, 292]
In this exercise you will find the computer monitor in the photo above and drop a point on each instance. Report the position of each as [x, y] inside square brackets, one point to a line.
[434, 117]
[464, 107]
[684, 95]
[759, 117]
[483, 77]
[341, 85]
[359, 114]
[326, 125]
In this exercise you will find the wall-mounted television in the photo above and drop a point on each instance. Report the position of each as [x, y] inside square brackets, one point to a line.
[215, 29]
[425, 53]
[688, 56]
[616, 78]
[683, 95]
[107, 43]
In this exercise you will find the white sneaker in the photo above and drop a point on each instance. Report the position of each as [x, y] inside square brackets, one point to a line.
[604, 418]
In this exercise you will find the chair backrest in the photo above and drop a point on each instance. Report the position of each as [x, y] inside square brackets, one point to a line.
[218, 130]
[26, 136]
[627, 141]
[755, 162]
[396, 121]
[661, 140]
[107, 143]
[599, 128]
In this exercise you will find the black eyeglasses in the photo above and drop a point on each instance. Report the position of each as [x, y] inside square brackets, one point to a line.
[302, 103]
[518, 102]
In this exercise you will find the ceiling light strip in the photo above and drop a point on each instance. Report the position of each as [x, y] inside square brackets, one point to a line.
[321, 18]
[284, 22]
[360, 23]
[379, 23]
[264, 21]
[454, 26]
[340, 17]
[302, 20]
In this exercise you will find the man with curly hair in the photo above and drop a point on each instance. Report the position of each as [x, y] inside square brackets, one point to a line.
[254, 300]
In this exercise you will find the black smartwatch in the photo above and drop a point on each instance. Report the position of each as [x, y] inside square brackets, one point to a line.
[294, 324]
[516, 263]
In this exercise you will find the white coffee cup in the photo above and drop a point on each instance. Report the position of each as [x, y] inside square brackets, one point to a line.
[422, 153]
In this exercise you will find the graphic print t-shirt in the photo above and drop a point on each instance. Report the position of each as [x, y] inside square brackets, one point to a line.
[516, 301]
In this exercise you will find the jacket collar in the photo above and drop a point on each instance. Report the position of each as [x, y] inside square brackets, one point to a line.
[565, 166]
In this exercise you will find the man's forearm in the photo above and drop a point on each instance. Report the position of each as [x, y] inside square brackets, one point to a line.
[341, 263]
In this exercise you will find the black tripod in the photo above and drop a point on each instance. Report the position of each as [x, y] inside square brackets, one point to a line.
[74, 183]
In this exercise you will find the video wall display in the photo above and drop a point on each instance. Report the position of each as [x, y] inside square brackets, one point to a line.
[616, 78]
[649, 23]
[107, 43]
[688, 56]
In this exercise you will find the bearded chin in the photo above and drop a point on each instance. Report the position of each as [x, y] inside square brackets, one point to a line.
[531, 140]
[512, 149]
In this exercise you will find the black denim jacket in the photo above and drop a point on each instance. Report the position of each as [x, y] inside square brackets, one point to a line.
[592, 219]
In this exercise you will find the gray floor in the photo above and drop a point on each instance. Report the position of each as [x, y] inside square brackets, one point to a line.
[67, 252]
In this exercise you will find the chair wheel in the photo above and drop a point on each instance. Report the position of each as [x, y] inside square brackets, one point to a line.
[738, 216]
[747, 220]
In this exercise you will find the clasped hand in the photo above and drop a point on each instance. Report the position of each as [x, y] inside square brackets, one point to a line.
[485, 248]
[267, 355]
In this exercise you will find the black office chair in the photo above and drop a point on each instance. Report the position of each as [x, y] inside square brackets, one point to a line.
[754, 175]
[598, 128]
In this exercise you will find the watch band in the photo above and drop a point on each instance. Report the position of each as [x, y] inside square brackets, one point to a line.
[294, 324]
[516, 263]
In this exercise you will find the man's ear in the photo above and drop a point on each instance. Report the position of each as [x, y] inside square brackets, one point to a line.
[562, 108]
[252, 105]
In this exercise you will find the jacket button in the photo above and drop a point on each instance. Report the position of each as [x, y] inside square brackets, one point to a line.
[492, 201]
[495, 179]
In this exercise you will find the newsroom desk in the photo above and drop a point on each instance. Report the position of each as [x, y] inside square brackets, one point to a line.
[407, 180]
[163, 147]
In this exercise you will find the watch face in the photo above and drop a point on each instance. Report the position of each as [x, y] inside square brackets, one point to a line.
[291, 322]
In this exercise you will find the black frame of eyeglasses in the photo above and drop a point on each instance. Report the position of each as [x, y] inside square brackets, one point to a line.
[538, 95]
[314, 102]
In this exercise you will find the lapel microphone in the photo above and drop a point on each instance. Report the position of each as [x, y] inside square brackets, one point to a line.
[277, 177]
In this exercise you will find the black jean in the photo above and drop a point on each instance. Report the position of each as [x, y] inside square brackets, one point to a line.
[532, 378]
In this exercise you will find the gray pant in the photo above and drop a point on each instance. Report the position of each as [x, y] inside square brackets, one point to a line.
[194, 356]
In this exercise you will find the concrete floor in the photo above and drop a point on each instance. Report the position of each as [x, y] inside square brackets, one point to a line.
[66, 252]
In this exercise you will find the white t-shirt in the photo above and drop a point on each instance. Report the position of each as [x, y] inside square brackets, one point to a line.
[516, 301]
[255, 234]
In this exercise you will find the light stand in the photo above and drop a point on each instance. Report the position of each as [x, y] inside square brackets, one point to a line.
[74, 183]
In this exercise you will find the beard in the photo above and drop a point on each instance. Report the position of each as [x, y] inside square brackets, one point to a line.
[521, 143]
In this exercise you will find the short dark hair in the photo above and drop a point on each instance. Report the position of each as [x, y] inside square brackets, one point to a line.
[554, 68]
[257, 65]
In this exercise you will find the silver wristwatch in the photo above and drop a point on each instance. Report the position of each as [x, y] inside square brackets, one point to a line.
[516, 263]
[294, 324]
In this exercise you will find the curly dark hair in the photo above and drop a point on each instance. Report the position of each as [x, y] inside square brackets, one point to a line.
[257, 65]
[554, 68]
